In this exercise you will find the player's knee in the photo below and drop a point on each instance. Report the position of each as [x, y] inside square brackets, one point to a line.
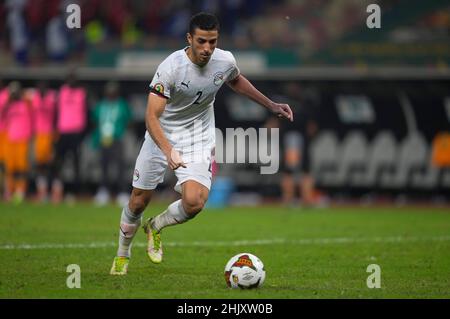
[193, 205]
[139, 200]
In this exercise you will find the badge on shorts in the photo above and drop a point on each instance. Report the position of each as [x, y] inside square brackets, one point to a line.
[136, 175]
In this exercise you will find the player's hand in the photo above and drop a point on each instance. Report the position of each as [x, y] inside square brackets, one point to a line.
[175, 160]
[282, 110]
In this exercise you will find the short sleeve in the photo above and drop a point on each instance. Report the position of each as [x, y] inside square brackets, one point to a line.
[162, 82]
[234, 70]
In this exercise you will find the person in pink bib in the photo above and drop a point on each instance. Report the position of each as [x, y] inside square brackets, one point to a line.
[71, 122]
[43, 101]
[4, 95]
[17, 116]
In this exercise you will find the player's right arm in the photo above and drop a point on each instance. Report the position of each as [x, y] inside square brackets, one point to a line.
[155, 107]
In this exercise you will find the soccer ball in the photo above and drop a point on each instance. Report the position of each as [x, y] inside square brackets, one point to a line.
[244, 271]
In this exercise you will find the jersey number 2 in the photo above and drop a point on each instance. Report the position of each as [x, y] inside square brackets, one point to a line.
[199, 95]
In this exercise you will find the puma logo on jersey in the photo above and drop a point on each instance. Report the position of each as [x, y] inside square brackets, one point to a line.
[186, 84]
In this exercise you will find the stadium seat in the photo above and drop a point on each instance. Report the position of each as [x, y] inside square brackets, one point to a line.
[324, 157]
[353, 157]
[427, 176]
[445, 182]
[381, 156]
[412, 155]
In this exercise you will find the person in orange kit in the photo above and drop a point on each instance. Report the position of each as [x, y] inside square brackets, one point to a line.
[17, 116]
[4, 95]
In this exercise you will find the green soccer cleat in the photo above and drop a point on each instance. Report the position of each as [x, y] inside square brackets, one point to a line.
[154, 247]
[120, 266]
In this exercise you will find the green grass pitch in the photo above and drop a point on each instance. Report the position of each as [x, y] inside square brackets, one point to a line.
[308, 253]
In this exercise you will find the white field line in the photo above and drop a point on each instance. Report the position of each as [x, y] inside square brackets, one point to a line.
[274, 241]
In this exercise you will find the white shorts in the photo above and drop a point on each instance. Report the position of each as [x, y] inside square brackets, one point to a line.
[151, 165]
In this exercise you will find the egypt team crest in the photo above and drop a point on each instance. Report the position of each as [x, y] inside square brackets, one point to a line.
[136, 175]
[218, 78]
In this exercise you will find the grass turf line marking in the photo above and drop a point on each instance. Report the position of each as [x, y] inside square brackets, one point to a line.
[303, 241]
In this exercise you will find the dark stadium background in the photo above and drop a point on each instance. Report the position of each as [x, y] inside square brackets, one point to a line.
[323, 48]
[379, 98]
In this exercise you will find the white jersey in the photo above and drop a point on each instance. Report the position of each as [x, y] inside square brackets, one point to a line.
[188, 119]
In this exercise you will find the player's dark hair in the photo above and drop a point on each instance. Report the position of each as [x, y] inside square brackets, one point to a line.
[204, 21]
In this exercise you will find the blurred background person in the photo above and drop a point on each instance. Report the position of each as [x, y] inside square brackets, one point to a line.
[17, 26]
[43, 101]
[307, 183]
[291, 158]
[111, 117]
[3, 100]
[71, 123]
[17, 116]
[295, 139]
[296, 177]
[308, 98]
[321, 45]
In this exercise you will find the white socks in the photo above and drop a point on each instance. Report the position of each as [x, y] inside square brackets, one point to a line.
[129, 224]
[174, 214]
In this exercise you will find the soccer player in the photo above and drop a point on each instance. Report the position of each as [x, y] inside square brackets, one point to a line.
[181, 96]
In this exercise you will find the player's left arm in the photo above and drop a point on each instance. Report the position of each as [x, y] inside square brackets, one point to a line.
[241, 85]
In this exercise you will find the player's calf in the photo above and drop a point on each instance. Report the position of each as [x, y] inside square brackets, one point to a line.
[129, 224]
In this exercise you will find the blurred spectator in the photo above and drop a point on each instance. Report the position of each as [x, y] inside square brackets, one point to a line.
[116, 13]
[295, 144]
[304, 27]
[71, 123]
[149, 19]
[43, 103]
[296, 166]
[57, 42]
[18, 30]
[292, 152]
[308, 101]
[307, 184]
[17, 115]
[111, 117]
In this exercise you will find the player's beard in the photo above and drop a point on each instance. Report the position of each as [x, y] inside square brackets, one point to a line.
[202, 59]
